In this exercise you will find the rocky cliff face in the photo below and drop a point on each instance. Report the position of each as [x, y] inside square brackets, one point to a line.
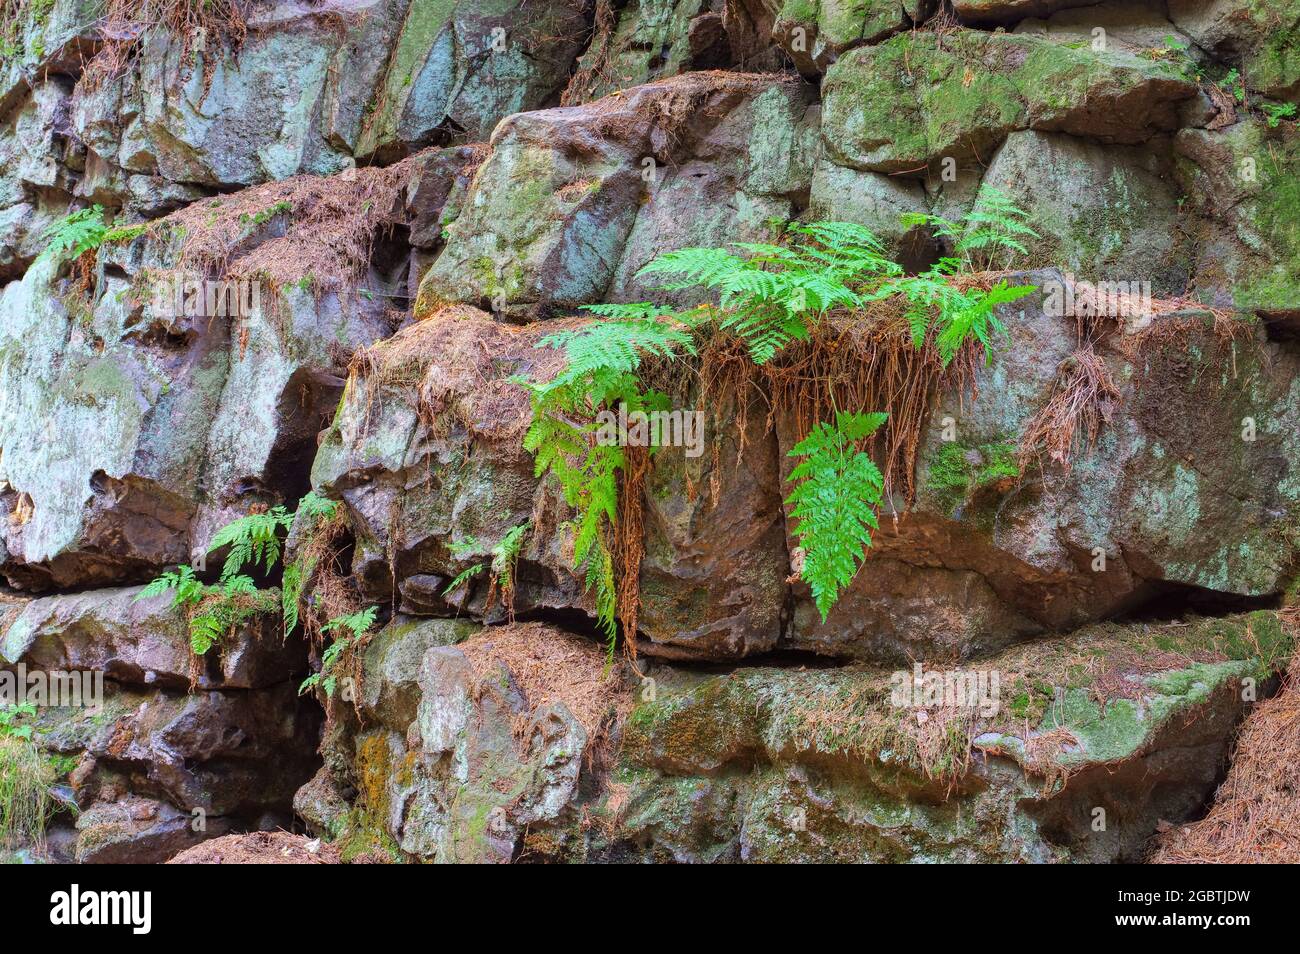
[418, 193]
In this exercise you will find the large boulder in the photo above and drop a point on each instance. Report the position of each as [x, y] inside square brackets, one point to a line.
[426, 453]
[647, 40]
[461, 67]
[104, 427]
[1079, 194]
[1263, 37]
[1181, 490]
[305, 92]
[34, 172]
[133, 429]
[572, 201]
[911, 101]
[216, 759]
[142, 642]
[47, 38]
[815, 33]
[765, 765]
[1241, 181]
[504, 727]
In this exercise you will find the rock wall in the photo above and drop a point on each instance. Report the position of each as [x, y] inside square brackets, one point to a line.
[423, 190]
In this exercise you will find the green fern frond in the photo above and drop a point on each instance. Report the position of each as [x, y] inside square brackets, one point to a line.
[837, 490]
[317, 507]
[253, 539]
[358, 624]
[184, 585]
[506, 552]
[76, 233]
[290, 593]
[462, 578]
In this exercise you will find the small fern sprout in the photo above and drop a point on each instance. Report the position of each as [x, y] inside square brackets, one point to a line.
[993, 229]
[253, 539]
[349, 633]
[463, 577]
[182, 583]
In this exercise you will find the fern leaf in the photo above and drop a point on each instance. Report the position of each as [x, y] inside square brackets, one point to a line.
[837, 490]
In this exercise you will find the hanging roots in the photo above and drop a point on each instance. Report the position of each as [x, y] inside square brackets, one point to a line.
[629, 541]
[126, 24]
[857, 361]
[596, 74]
[1084, 398]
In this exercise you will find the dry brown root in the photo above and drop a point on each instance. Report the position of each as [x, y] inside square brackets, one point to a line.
[1084, 398]
[200, 25]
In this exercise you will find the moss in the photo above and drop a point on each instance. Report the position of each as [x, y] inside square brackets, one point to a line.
[1274, 63]
[15, 33]
[365, 830]
[917, 96]
[1258, 636]
[102, 382]
[91, 839]
[957, 473]
[1274, 214]
[423, 24]
[125, 233]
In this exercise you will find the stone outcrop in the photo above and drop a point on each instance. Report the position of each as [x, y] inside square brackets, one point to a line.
[178, 748]
[1172, 493]
[768, 764]
[423, 192]
[573, 201]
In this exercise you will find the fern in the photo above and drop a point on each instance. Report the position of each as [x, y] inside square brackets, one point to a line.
[612, 347]
[838, 489]
[600, 372]
[994, 227]
[313, 508]
[291, 585]
[358, 624]
[976, 318]
[253, 539]
[504, 555]
[768, 296]
[317, 507]
[462, 578]
[502, 565]
[183, 584]
[775, 294]
[76, 233]
[349, 633]
[956, 316]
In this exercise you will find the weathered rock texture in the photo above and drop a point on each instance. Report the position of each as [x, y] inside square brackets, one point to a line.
[483, 761]
[423, 191]
[179, 748]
